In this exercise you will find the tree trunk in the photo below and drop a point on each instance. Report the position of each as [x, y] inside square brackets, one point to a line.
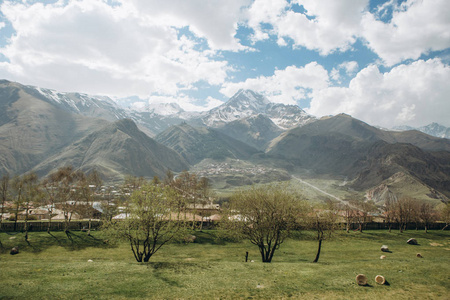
[318, 251]
[89, 227]
[426, 229]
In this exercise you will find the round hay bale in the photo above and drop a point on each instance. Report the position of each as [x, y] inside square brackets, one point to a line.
[383, 257]
[380, 279]
[419, 255]
[385, 248]
[361, 279]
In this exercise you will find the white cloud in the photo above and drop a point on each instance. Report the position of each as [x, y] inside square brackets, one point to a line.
[284, 86]
[214, 20]
[91, 47]
[416, 27]
[2, 25]
[326, 26]
[414, 94]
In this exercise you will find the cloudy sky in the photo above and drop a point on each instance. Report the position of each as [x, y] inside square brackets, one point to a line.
[384, 62]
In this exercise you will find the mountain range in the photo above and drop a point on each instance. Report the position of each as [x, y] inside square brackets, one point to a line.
[41, 130]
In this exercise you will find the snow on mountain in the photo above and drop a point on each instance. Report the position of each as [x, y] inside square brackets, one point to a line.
[95, 106]
[156, 117]
[433, 129]
[164, 109]
[436, 129]
[246, 103]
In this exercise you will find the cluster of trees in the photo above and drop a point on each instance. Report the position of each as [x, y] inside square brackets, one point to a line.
[68, 190]
[408, 210]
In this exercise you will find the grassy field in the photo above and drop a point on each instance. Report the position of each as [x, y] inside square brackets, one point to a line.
[55, 267]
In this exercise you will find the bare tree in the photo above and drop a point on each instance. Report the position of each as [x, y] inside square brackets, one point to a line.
[264, 215]
[30, 195]
[444, 214]
[362, 213]
[323, 220]
[4, 196]
[154, 220]
[17, 186]
[88, 185]
[426, 214]
[61, 187]
[194, 190]
[405, 208]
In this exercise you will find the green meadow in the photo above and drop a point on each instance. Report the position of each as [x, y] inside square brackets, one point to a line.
[83, 267]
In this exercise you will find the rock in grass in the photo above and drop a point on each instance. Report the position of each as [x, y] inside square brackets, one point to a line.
[14, 251]
[383, 257]
[385, 248]
[361, 279]
[380, 279]
[418, 255]
[412, 242]
[90, 260]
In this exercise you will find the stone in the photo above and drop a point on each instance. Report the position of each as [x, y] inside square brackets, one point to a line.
[383, 257]
[418, 255]
[14, 251]
[361, 279]
[412, 242]
[385, 248]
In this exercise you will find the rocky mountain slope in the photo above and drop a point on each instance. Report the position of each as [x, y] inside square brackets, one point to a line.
[198, 143]
[345, 146]
[38, 133]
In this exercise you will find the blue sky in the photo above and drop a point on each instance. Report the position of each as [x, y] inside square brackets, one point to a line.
[384, 62]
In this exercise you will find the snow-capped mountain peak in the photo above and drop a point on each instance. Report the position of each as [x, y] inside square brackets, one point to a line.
[246, 103]
[164, 109]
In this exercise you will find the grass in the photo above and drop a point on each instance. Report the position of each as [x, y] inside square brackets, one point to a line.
[55, 267]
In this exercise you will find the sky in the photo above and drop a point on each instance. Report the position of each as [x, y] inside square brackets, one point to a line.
[383, 62]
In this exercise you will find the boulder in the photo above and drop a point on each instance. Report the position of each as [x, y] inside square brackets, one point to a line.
[361, 279]
[385, 248]
[14, 251]
[380, 279]
[418, 255]
[412, 242]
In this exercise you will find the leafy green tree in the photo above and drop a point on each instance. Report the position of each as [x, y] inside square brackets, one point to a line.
[155, 219]
[264, 215]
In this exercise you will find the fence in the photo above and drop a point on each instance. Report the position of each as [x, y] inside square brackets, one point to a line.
[43, 225]
[83, 224]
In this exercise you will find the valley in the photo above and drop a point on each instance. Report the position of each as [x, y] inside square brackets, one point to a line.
[246, 140]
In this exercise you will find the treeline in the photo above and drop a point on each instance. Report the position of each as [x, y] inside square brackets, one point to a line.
[70, 194]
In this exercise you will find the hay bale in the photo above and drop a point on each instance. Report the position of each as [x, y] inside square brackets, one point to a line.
[383, 257]
[380, 279]
[412, 242]
[385, 248]
[361, 279]
[418, 255]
